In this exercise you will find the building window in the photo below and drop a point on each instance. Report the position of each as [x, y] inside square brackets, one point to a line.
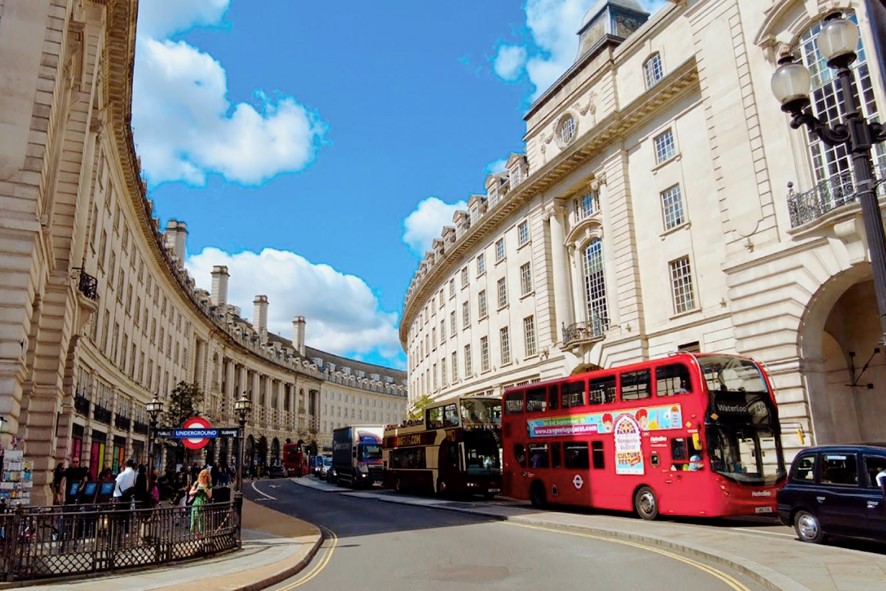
[529, 336]
[443, 375]
[481, 264]
[502, 293]
[672, 207]
[828, 161]
[681, 285]
[505, 338]
[595, 287]
[440, 299]
[665, 149]
[499, 250]
[452, 287]
[454, 367]
[566, 131]
[434, 337]
[481, 305]
[586, 205]
[653, 70]
[452, 324]
[525, 279]
[464, 277]
[466, 314]
[469, 365]
[523, 233]
[484, 353]
[442, 331]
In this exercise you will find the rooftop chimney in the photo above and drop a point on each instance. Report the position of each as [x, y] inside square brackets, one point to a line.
[298, 334]
[260, 316]
[174, 238]
[219, 294]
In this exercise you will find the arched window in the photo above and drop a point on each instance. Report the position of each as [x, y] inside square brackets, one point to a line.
[595, 287]
[653, 70]
[832, 161]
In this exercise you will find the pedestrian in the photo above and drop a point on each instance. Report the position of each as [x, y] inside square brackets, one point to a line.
[75, 474]
[141, 487]
[125, 483]
[58, 483]
[200, 494]
[881, 480]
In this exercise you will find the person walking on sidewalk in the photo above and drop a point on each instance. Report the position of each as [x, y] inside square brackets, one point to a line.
[200, 494]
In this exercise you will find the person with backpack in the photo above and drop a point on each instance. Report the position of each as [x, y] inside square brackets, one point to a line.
[124, 489]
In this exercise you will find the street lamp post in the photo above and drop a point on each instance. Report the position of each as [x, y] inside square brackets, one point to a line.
[154, 408]
[242, 406]
[837, 41]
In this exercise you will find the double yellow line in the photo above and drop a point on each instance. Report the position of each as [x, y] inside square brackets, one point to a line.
[727, 579]
[329, 543]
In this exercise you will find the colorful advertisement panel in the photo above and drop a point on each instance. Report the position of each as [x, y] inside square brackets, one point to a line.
[628, 453]
[650, 418]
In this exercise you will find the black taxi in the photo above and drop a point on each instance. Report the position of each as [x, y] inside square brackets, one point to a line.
[832, 489]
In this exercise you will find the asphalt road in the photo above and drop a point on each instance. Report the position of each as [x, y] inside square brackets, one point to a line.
[374, 545]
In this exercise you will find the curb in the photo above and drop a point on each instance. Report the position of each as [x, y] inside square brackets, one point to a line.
[287, 572]
[758, 573]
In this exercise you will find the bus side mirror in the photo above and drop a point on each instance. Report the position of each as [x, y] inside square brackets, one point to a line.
[696, 442]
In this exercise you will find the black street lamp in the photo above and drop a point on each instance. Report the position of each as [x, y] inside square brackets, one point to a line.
[154, 408]
[791, 84]
[242, 406]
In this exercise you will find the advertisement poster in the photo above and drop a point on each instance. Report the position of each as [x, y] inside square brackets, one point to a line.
[649, 418]
[628, 455]
[16, 486]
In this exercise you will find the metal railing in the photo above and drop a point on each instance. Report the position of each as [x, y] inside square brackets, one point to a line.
[81, 405]
[62, 541]
[828, 195]
[593, 329]
[88, 285]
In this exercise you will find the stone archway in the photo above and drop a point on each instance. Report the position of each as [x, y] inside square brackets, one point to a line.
[584, 367]
[838, 336]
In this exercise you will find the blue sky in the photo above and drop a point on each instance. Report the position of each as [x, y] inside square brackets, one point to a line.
[316, 148]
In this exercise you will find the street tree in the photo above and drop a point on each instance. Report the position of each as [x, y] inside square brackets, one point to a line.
[417, 412]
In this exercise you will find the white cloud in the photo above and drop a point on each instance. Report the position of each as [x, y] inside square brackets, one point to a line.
[426, 223]
[341, 312]
[509, 61]
[496, 166]
[186, 128]
[553, 29]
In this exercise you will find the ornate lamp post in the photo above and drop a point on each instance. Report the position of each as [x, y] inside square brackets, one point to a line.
[242, 406]
[791, 84]
[154, 408]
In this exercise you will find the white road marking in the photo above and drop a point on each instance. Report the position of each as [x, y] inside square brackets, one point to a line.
[267, 496]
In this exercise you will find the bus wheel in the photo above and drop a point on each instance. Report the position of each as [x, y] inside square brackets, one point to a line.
[646, 503]
[442, 488]
[398, 486]
[537, 495]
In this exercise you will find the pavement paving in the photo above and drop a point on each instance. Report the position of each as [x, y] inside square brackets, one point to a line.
[277, 546]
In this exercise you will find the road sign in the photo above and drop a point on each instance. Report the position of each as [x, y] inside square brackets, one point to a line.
[196, 433]
[196, 425]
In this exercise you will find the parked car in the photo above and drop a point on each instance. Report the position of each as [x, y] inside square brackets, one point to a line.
[832, 489]
[325, 466]
[277, 472]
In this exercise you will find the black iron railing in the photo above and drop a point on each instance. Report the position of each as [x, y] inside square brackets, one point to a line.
[81, 405]
[139, 427]
[593, 329]
[101, 414]
[50, 542]
[827, 195]
[88, 285]
[122, 423]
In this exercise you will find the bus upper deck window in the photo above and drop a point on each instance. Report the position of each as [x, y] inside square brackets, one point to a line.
[672, 379]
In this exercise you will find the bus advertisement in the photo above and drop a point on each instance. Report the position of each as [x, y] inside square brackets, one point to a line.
[455, 450]
[685, 435]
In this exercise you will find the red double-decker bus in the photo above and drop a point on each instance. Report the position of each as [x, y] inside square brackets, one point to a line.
[688, 435]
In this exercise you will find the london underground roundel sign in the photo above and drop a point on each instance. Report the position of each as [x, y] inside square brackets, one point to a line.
[196, 423]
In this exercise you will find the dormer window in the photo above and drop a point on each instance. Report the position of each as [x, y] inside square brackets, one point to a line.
[566, 130]
[653, 70]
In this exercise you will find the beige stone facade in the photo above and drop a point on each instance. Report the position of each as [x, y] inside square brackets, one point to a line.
[97, 314]
[664, 203]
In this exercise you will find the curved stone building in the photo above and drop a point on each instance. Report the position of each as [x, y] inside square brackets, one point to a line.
[664, 203]
[97, 314]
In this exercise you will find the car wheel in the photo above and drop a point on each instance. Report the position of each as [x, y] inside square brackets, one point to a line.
[808, 527]
[646, 503]
[537, 495]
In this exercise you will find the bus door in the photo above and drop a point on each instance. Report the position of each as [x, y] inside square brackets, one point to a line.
[568, 476]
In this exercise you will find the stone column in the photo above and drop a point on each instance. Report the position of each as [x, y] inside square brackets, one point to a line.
[229, 393]
[560, 269]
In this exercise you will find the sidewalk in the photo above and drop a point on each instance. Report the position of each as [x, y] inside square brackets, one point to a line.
[275, 547]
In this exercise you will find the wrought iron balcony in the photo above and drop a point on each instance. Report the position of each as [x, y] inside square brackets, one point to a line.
[585, 331]
[139, 427]
[81, 405]
[828, 195]
[88, 285]
[122, 423]
[101, 414]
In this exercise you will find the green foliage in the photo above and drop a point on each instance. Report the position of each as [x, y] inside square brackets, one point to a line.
[417, 412]
[184, 402]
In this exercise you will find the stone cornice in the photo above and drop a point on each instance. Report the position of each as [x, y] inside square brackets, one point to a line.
[682, 79]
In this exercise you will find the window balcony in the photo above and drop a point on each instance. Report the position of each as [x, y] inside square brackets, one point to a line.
[88, 285]
[828, 195]
[122, 423]
[140, 428]
[81, 405]
[585, 332]
[101, 414]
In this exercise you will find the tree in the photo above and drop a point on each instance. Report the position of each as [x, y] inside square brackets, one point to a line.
[185, 401]
[417, 412]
